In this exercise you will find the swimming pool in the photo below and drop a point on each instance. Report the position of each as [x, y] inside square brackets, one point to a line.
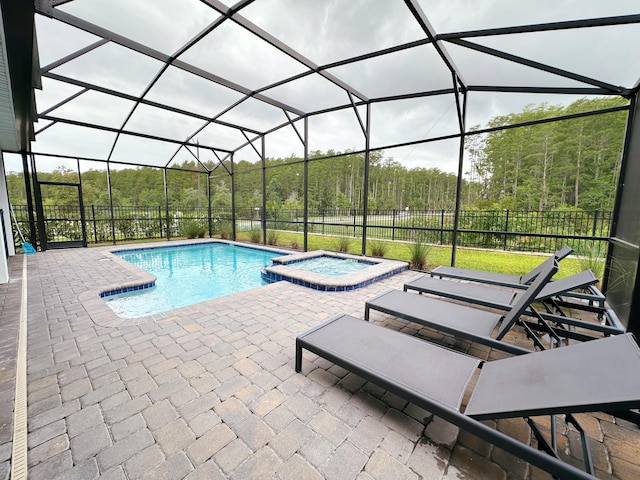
[188, 274]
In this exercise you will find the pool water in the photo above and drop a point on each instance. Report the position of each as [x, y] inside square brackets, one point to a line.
[190, 274]
[332, 266]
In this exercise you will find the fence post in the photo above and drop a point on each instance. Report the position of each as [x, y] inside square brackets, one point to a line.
[168, 224]
[442, 228]
[160, 219]
[95, 230]
[506, 229]
[393, 225]
[355, 211]
[595, 223]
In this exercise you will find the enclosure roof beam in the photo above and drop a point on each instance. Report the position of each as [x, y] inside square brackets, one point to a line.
[293, 125]
[127, 132]
[71, 56]
[65, 101]
[196, 157]
[50, 124]
[549, 120]
[547, 90]
[109, 162]
[220, 162]
[407, 96]
[543, 27]
[377, 53]
[428, 29]
[538, 66]
[250, 142]
[355, 110]
[151, 103]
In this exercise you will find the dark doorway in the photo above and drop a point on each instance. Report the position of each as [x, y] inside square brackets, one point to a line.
[63, 225]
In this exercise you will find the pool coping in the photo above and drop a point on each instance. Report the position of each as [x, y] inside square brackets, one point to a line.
[283, 269]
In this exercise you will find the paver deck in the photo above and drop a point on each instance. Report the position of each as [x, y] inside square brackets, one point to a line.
[210, 391]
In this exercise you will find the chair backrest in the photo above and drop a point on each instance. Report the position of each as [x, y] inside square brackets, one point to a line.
[559, 255]
[599, 375]
[567, 284]
[527, 297]
[563, 252]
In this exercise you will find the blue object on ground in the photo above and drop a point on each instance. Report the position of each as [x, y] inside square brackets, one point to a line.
[28, 248]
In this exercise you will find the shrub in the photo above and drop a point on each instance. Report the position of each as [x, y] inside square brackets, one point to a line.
[126, 228]
[225, 230]
[418, 254]
[193, 230]
[272, 237]
[294, 245]
[255, 235]
[591, 256]
[341, 244]
[377, 248]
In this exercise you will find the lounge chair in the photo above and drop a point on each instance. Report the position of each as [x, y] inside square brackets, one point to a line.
[494, 278]
[492, 297]
[601, 375]
[591, 295]
[503, 299]
[467, 322]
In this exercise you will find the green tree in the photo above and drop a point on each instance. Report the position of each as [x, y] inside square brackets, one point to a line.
[573, 162]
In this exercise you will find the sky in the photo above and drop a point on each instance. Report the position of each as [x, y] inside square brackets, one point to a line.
[323, 32]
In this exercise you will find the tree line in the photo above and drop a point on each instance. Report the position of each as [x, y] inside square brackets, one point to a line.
[567, 164]
[573, 163]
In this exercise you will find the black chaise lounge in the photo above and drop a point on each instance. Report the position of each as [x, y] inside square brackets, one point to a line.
[468, 322]
[494, 278]
[500, 298]
[601, 375]
[553, 295]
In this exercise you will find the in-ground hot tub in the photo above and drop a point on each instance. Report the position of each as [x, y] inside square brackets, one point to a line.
[331, 271]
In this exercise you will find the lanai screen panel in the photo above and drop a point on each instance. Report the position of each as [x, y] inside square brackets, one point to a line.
[76, 141]
[256, 66]
[286, 144]
[622, 288]
[340, 129]
[413, 120]
[328, 32]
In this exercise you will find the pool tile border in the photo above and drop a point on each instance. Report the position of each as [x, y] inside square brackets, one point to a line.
[283, 270]
[127, 289]
[186, 243]
[275, 277]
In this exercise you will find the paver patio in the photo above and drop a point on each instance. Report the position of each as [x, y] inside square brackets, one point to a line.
[210, 391]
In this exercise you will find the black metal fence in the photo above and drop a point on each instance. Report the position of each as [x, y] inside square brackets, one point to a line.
[514, 230]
